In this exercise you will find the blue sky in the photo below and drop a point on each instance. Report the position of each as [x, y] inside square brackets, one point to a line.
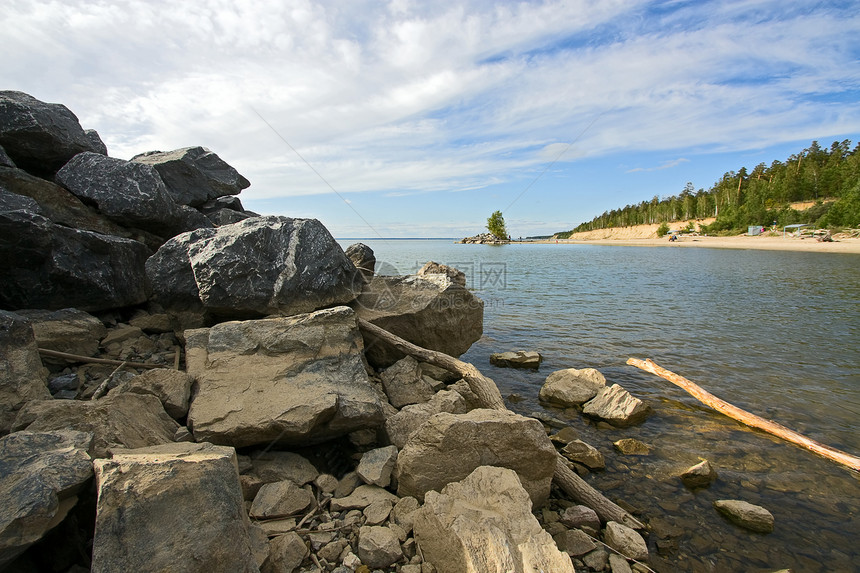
[415, 119]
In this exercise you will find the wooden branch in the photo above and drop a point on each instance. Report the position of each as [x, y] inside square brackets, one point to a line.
[103, 387]
[490, 397]
[747, 418]
[91, 360]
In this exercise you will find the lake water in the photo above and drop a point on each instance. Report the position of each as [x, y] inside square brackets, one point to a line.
[775, 333]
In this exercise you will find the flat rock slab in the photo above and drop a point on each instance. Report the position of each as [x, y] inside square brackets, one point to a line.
[517, 359]
[176, 507]
[617, 406]
[40, 475]
[749, 516]
[290, 381]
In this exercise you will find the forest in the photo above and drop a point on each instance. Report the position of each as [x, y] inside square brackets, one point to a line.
[829, 179]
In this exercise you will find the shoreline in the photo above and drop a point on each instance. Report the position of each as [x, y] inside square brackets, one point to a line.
[761, 243]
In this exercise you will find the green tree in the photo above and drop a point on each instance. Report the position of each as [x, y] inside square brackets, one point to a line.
[496, 225]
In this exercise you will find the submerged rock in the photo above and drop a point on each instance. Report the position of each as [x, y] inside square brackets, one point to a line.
[749, 516]
[699, 475]
[516, 359]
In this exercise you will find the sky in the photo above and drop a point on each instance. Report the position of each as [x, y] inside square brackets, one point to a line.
[419, 119]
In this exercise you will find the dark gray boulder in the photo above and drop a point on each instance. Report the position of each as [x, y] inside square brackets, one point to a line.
[260, 266]
[13, 202]
[5, 160]
[194, 175]
[98, 146]
[131, 194]
[223, 217]
[230, 202]
[43, 265]
[40, 137]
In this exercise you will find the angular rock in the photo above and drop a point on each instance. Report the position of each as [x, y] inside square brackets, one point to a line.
[632, 447]
[377, 512]
[96, 143]
[378, 547]
[626, 541]
[40, 475]
[618, 564]
[617, 406]
[66, 330]
[43, 265]
[128, 193]
[286, 553]
[457, 276]
[5, 160]
[171, 387]
[401, 425]
[39, 137]
[564, 436]
[403, 513]
[579, 516]
[484, 523]
[585, 454]
[448, 447]
[430, 311]
[13, 202]
[257, 267]
[516, 359]
[363, 258]
[274, 466]
[280, 499]
[223, 217]
[571, 387]
[749, 516]
[404, 384]
[194, 175]
[175, 507]
[291, 381]
[121, 421]
[699, 475]
[574, 542]
[22, 376]
[376, 465]
[363, 496]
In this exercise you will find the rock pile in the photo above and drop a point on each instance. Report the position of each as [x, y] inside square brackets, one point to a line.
[484, 239]
[291, 441]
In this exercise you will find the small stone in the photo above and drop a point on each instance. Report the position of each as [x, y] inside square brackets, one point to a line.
[626, 541]
[363, 496]
[699, 475]
[574, 542]
[377, 512]
[402, 513]
[378, 547]
[280, 499]
[565, 436]
[586, 454]
[516, 359]
[352, 561]
[579, 516]
[618, 564]
[632, 447]
[596, 560]
[746, 515]
[286, 553]
[347, 484]
[326, 483]
[376, 465]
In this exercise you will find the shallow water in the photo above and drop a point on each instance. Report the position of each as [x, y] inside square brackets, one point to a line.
[772, 332]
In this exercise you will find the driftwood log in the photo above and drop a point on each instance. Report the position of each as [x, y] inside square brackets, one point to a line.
[488, 393]
[745, 417]
[92, 360]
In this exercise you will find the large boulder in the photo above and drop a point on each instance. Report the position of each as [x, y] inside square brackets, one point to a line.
[617, 406]
[431, 311]
[40, 475]
[43, 265]
[260, 266]
[194, 175]
[117, 421]
[484, 523]
[40, 137]
[131, 194]
[22, 376]
[66, 330]
[176, 507]
[571, 387]
[292, 380]
[448, 447]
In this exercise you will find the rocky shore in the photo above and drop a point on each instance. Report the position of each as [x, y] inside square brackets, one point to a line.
[185, 387]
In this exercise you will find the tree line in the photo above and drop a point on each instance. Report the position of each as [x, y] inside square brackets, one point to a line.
[828, 178]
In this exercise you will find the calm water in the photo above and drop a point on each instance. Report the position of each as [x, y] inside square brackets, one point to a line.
[772, 332]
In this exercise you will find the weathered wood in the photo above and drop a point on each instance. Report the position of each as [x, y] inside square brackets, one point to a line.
[747, 418]
[488, 393]
[103, 387]
[91, 360]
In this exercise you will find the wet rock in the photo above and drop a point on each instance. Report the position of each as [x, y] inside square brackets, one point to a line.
[257, 267]
[749, 516]
[433, 268]
[484, 523]
[626, 541]
[40, 475]
[376, 465]
[39, 137]
[171, 508]
[290, 381]
[404, 383]
[280, 499]
[22, 376]
[585, 454]
[194, 175]
[363, 258]
[43, 265]
[632, 447]
[378, 547]
[571, 387]
[448, 447]
[121, 421]
[66, 330]
[171, 387]
[699, 475]
[516, 359]
[564, 436]
[617, 406]
[430, 311]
